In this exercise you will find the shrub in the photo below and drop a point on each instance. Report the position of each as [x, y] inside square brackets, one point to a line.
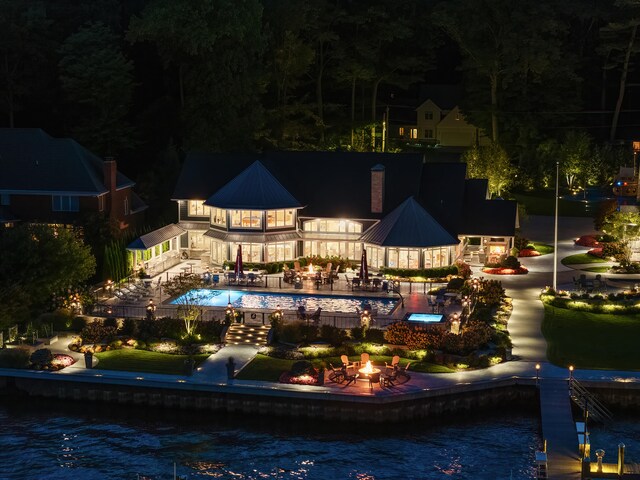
[510, 262]
[439, 272]
[96, 332]
[464, 270]
[476, 334]
[455, 283]
[14, 358]
[291, 332]
[41, 357]
[374, 335]
[111, 322]
[129, 327]
[357, 333]
[78, 323]
[333, 335]
[528, 253]
[397, 333]
[452, 343]
[60, 319]
[520, 242]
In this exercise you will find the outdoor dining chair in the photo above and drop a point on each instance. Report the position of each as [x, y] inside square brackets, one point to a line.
[395, 361]
[336, 375]
[364, 358]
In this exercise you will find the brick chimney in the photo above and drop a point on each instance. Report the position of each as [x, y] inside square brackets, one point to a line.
[110, 170]
[377, 188]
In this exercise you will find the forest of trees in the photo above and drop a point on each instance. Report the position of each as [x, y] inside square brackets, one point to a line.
[146, 80]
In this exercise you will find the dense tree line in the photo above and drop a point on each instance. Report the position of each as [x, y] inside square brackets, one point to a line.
[144, 79]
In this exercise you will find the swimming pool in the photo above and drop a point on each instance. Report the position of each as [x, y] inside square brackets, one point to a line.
[286, 301]
[424, 317]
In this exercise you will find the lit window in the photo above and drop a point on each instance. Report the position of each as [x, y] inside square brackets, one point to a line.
[218, 216]
[413, 133]
[401, 131]
[246, 218]
[198, 209]
[65, 203]
[279, 218]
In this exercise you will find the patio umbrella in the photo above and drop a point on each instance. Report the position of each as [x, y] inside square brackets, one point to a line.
[364, 270]
[238, 267]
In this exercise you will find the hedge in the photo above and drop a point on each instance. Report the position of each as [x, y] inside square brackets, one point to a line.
[438, 272]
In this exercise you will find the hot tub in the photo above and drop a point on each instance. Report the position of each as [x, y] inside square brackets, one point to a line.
[426, 318]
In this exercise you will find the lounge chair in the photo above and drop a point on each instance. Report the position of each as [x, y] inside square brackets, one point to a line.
[315, 317]
[349, 285]
[395, 361]
[373, 378]
[364, 358]
[403, 371]
[345, 362]
[388, 377]
[336, 375]
[349, 377]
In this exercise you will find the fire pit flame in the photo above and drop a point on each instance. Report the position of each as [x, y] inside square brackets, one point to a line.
[368, 368]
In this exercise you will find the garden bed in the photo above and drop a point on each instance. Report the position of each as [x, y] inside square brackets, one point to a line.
[505, 271]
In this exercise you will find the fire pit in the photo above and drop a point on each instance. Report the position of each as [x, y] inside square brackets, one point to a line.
[369, 369]
[371, 373]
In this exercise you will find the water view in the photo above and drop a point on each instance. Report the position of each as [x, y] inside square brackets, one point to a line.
[286, 301]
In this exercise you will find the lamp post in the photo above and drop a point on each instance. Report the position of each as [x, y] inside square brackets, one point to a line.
[455, 324]
[537, 373]
[151, 310]
[555, 234]
[570, 373]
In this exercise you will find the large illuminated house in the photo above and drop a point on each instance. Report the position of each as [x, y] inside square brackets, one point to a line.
[283, 205]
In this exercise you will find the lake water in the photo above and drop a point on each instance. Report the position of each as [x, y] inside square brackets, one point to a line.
[287, 301]
[44, 440]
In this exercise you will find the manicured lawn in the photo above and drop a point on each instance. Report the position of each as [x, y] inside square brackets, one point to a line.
[130, 360]
[543, 203]
[269, 369]
[597, 269]
[580, 258]
[590, 340]
[543, 248]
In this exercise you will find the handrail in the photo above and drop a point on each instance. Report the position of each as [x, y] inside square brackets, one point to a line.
[588, 401]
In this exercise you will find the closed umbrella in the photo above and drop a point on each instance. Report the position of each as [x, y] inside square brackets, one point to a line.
[364, 270]
[238, 267]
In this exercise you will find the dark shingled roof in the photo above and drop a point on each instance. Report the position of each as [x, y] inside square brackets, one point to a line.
[254, 188]
[32, 161]
[338, 185]
[442, 192]
[156, 237]
[409, 225]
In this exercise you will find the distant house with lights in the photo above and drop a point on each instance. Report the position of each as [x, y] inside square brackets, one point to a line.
[56, 180]
[282, 205]
[439, 121]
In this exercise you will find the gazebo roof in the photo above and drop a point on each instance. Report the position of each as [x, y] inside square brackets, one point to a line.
[156, 237]
[409, 225]
[254, 188]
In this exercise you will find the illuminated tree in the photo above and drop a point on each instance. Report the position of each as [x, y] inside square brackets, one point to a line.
[492, 163]
[186, 289]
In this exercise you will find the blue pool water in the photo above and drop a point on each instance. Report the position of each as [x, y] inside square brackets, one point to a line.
[286, 301]
[424, 317]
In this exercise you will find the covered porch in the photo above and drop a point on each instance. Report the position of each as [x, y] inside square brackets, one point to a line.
[480, 249]
[156, 251]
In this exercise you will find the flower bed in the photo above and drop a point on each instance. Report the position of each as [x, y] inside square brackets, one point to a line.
[528, 252]
[61, 360]
[506, 271]
[596, 252]
[304, 379]
[587, 241]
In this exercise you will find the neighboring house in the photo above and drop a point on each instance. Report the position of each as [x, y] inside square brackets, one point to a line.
[56, 180]
[282, 205]
[439, 121]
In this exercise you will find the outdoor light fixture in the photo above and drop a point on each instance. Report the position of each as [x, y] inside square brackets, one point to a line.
[455, 324]
[570, 372]
[278, 312]
[229, 310]
[365, 318]
[537, 373]
[151, 310]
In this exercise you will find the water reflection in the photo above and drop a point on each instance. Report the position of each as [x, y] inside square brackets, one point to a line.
[56, 440]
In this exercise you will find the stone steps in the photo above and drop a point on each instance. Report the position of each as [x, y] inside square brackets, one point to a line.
[240, 334]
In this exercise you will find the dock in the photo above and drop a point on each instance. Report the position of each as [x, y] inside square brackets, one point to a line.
[558, 430]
